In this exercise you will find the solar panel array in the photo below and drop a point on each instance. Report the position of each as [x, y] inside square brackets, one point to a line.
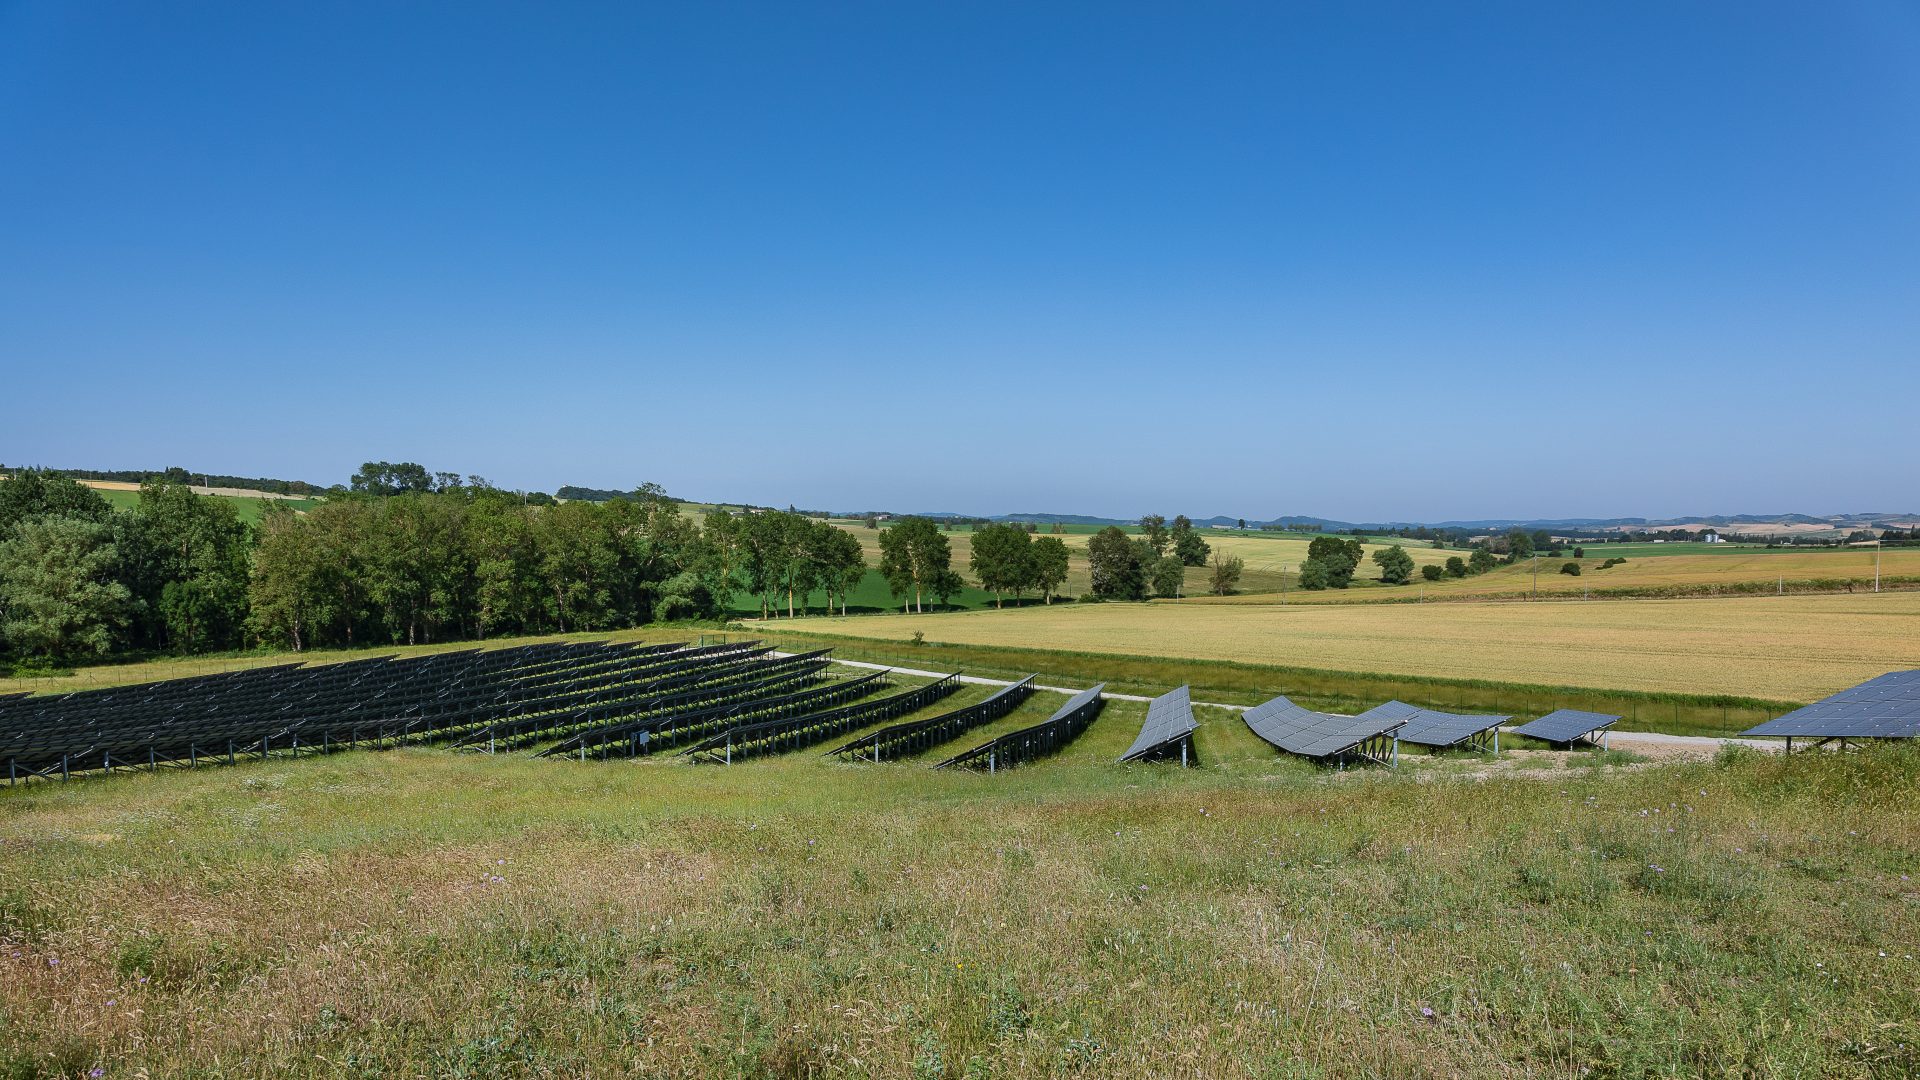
[263, 710]
[779, 736]
[1302, 731]
[914, 736]
[795, 686]
[1038, 741]
[1169, 726]
[590, 693]
[1566, 726]
[1884, 708]
[1430, 727]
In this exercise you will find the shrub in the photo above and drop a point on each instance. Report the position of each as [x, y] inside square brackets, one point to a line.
[1570, 568]
[1433, 572]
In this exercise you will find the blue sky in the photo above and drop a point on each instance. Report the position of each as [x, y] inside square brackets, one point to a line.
[1364, 261]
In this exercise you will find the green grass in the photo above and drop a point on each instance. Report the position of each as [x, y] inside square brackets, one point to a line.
[419, 913]
[250, 508]
[872, 596]
[1232, 682]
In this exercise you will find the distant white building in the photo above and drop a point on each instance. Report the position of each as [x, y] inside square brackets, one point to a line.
[1711, 537]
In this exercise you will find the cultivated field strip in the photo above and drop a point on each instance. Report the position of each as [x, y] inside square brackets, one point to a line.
[1792, 648]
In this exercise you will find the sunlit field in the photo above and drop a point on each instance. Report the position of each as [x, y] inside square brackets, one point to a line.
[1794, 648]
[1745, 570]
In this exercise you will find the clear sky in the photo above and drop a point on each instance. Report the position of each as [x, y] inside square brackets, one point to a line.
[1366, 261]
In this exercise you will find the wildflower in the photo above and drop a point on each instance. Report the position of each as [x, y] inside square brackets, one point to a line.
[1143, 888]
[1656, 869]
[1426, 1012]
[53, 961]
[111, 1003]
[96, 1072]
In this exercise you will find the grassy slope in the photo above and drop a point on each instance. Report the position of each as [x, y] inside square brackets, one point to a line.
[1786, 648]
[249, 507]
[418, 913]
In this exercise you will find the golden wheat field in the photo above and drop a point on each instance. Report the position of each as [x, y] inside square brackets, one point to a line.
[1742, 570]
[1794, 648]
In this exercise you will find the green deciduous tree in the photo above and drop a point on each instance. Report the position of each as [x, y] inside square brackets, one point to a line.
[1225, 576]
[1154, 528]
[1317, 574]
[1335, 558]
[1396, 566]
[58, 595]
[912, 552]
[1481, 561]
[1168, 574]
[187, 558]
[1432, 572]
[1456, 566]
[32, 493]
[1118, 571]
[1189, 546]
[1002, 560]
[1049, 557]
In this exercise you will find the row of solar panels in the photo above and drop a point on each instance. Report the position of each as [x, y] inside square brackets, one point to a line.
[549, 690]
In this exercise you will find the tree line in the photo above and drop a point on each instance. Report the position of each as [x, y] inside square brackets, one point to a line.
[1155, 562]
[403, 555]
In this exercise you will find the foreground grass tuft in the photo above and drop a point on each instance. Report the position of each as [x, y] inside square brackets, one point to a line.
[417, 913]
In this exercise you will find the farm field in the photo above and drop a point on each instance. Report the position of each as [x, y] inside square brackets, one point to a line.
[1740, 569]
[250, 507]
[1794, 648]
[421, 913]
[1267, 557]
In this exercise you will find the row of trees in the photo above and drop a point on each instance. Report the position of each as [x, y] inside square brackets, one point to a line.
[1009, 559]
[77, 578]
[1130, 567]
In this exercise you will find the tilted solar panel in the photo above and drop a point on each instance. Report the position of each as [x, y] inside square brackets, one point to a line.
[1884, 708]
[1430, 727]
[1037, 741]
[1566, 726]
[1302, 731]
[1169, 720]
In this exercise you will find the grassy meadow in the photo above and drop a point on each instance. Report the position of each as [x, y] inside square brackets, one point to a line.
[249, 507]
[418, 913]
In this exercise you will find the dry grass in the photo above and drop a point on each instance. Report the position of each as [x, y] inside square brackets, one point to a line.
[1794, 648]
[1649, 575]
[416, 913]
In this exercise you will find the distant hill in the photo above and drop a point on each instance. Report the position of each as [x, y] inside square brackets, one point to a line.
[1756, 523]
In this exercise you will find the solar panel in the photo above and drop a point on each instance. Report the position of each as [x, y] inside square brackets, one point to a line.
[1302, 731]
[1430, 727]
[1566, 726]
[1037, 741]
[1169, 723]
[1884, 708]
